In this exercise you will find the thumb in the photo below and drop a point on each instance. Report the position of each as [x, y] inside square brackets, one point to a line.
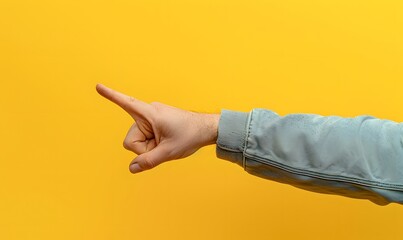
[149, 159]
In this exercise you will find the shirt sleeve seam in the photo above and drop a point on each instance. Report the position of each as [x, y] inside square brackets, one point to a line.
[224, 147]
[304, 172]
[248, 130]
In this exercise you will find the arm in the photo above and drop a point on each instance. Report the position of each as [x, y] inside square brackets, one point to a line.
[359, 157]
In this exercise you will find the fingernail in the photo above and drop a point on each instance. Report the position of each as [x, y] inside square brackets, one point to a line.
[135, 168]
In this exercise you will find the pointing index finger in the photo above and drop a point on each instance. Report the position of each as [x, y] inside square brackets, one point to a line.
[129, 104]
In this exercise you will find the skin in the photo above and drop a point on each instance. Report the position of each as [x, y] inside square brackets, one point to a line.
[161, 132]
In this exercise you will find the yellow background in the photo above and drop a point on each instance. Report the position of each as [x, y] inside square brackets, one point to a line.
[64, 173]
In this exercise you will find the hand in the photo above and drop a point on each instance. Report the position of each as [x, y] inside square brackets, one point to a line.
[161, 132]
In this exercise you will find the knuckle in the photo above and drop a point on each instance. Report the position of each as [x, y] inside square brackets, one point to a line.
[126, 144]
[155, 104]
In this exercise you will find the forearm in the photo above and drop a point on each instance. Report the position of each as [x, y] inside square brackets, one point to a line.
[358, 157]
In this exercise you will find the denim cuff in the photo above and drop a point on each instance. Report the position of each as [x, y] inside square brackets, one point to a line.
[232, 130]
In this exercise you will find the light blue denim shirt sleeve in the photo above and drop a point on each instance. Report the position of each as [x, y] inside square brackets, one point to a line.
[360, 157]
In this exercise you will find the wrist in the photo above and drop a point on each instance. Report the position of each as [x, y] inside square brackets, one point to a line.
[209, 127]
